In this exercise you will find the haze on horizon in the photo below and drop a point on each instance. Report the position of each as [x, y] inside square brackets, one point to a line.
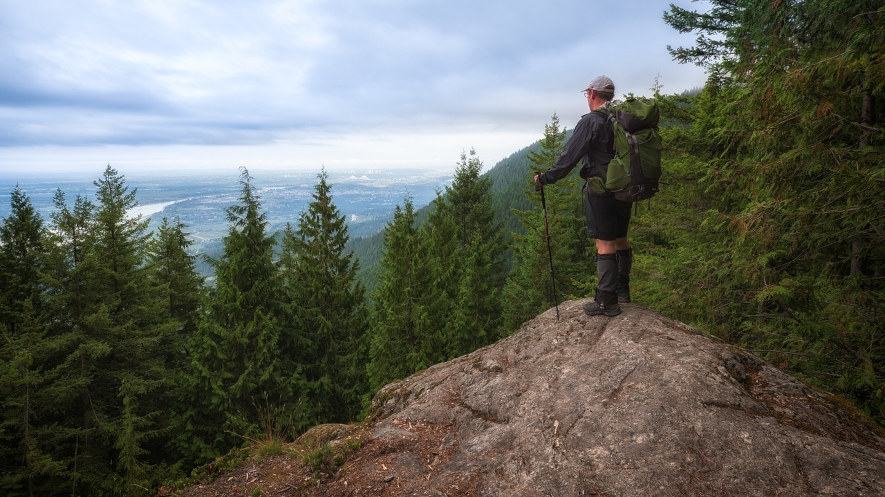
[302, 84]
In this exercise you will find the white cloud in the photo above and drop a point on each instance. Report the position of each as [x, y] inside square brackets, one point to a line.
[193, 80]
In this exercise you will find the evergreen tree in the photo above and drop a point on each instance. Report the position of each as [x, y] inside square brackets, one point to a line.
[710, 49]
[438, 274]
[30, 461]
[71, 259]
[329, 308]
[119, 246]
[524, 296]
[175, 281]
[21, 238]
[478, 314]
[795, 185]
[395, 348]
[235, 362]
[173, 269]
[295, 342]
[134, 375]
[464, 251]
[27, 463]
[72, 301]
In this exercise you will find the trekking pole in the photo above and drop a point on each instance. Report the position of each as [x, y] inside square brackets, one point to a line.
[549, 250]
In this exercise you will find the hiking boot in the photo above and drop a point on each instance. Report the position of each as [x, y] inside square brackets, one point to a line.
[606, 300]
[595, 308]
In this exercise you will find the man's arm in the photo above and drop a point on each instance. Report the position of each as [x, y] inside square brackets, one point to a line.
[575, 149]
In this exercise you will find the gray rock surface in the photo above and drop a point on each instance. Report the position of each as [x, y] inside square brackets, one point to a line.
[636, 405]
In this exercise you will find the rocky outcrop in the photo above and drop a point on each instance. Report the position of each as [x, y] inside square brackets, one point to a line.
[636, 405]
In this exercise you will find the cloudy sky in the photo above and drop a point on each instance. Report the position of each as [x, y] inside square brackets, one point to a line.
[149, 85]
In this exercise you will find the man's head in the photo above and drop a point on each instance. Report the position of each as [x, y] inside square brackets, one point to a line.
[599, 91]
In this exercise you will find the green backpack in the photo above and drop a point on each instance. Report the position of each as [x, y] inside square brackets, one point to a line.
[634, 171]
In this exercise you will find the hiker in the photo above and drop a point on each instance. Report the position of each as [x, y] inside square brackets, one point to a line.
[607, 218]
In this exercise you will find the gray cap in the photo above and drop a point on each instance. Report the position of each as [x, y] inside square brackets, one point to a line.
[602, 85]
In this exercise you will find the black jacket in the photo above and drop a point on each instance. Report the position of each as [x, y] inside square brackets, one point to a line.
[592, 142]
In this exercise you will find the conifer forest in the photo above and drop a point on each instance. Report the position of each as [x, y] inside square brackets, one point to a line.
[122, 370]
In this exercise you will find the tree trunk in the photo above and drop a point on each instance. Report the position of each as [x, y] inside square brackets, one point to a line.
[867, 120]
[856, 258]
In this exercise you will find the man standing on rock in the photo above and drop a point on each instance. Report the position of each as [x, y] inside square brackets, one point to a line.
[607, 218]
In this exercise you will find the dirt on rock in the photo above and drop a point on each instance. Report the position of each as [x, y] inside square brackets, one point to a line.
[635, 405]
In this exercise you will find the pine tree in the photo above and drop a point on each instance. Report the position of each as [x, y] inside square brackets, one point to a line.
[134, 378]
[329, 307]
[21, 239]
[796, 173]
[524, 297]
[235, 362]
[438, 275]
[173, 270]
[463, 247]
[295, 340]
[72, 301]
[71, 258]
[30, 461]
[175, 282]
[394, 347]
[120, 245]
[28, 464]
[711, 49]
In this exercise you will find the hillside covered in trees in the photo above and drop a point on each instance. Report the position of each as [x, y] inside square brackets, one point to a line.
[120, 370]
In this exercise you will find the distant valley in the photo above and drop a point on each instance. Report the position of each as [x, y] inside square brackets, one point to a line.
[366, 198]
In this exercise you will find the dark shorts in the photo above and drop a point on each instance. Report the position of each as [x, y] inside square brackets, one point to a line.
[606, 217]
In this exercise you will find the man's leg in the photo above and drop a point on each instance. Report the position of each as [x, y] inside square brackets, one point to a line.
[606, 300]
[624, 255]
[610, 220]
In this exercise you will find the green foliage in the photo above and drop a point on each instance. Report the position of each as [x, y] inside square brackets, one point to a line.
[83, 371]
[323, 459]
[438, 296]
[219, 465]
[117, 369]
[234, 353]
[21, 257]
[368, 251]
[173, 270]
[25, 346]
[269, 448]
[461, 252]
[327, 458]
[508, 185]
[328, 307]
[477, 262]
[792, 190]
[29, 464]
[709, 48]
[396, 349]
